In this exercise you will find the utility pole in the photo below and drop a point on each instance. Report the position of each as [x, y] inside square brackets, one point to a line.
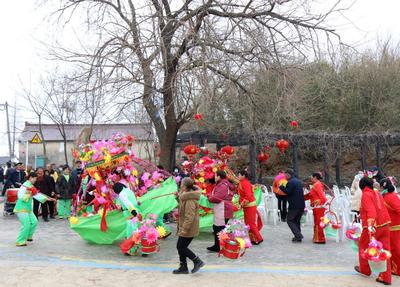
[8, 133]
[14, 127]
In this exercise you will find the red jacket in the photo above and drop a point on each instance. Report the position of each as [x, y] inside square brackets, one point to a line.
[223, 191]
[392, 202]
[316, 195]
[373, 209]
[245, 190]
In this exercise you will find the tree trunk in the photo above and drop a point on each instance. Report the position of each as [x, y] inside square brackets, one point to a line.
[167, 145]
[65, 150]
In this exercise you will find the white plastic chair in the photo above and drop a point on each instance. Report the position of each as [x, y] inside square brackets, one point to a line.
[271, 206]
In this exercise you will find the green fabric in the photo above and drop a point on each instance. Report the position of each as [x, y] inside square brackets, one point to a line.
[28, 226]
[64, 208]
[89, 228]
[160, 205]
[207, 221]
[66, 176]
[24, 201]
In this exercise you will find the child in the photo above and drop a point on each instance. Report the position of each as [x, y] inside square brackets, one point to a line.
[23, 209]
[64, 190]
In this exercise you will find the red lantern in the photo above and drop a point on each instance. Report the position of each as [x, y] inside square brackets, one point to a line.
[262, 157]
[228, 150]
[282, 145]
[198, 117]
[294, 124]
[190, 150]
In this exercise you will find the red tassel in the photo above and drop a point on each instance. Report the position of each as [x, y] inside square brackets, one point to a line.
[103, 225]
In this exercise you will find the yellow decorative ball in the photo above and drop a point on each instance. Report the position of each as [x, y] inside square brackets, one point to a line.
[241, 242]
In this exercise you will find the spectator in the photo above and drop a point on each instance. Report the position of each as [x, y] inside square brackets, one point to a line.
[1, 175]
[28, 170]
[64, 191]
[295, 196]
[44, 185]
[15, 178]
[76, 176]
[7, 172]
[51, 167]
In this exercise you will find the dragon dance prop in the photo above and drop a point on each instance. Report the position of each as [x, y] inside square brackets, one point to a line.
[97, 218]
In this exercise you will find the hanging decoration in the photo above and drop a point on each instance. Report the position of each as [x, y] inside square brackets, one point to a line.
[282, 145]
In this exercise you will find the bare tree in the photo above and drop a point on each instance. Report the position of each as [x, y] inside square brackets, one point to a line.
[60, 106]
[37, 106]
[163, 53]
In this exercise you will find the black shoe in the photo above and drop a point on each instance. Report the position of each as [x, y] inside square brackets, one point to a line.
[213, 249]
[30, 239]
[183, 269]
[382, 282]
[46, 219]
[197, 264]
[145, 255]
[52, 217]
[296, 240]
[166, 236]
[257, 243]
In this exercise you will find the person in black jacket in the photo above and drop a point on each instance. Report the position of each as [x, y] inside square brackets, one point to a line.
[45, 185]
[64, 189]
[295, 197]
[15, 177]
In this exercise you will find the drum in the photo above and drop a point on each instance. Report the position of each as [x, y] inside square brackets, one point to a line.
[12, 195]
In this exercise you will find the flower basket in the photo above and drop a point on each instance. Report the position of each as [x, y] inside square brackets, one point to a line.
[377, 266]
[331, 232]
[149, 247]
[231, 249]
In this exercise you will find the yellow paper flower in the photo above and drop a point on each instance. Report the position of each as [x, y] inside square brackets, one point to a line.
[97, 176]
[241, 242]
[107, 158]
[161, 231]
[215, 169]
[373, 251]
[135, 172]
[201, 179]
[73, 220]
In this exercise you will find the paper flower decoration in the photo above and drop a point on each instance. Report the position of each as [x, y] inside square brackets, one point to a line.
[161, 231]
[73, 220]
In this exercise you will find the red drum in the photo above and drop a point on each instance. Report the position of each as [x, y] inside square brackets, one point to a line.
[148, 247]
[231, 250]
[12, 195]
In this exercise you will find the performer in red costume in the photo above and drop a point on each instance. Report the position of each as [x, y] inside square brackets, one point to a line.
[318, 199]
[392, 202]
[375, 221]
[247, 200]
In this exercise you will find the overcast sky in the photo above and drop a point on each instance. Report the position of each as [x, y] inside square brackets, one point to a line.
[21, 29]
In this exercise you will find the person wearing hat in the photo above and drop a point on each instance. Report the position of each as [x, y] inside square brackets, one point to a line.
[317, 198]
[64, 190]
[295, 197]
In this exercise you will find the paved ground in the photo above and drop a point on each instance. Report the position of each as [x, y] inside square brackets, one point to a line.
[59, 257]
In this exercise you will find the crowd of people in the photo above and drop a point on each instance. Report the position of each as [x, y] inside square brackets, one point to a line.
[375, 200]
[59, 183]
